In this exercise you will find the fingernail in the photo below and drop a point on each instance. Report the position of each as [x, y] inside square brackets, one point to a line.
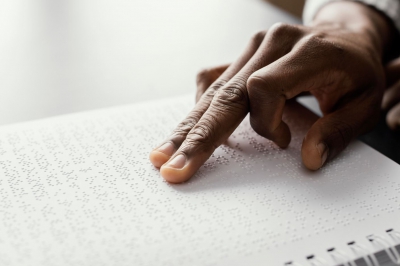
[323, 152]
[178, 162]
[167, 148]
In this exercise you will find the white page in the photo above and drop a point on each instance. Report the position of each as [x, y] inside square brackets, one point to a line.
[79, 190]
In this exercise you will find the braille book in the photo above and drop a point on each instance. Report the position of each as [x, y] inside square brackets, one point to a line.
[79, 190]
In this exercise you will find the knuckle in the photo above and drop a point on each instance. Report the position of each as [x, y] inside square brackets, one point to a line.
[232, 95]
[213, 89]
[187, 124]
[318, 42]
[258, 37]
[255, 84]
[218, 84]
[203, 133]
[261, 87]
[317, 35]
[282, 30]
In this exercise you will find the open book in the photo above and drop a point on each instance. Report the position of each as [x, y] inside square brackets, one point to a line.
[79, 190]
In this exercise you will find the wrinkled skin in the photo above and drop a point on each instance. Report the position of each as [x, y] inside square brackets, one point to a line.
[340, 65]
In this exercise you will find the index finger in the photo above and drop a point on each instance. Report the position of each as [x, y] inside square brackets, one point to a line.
[228, 108]
[163, 152]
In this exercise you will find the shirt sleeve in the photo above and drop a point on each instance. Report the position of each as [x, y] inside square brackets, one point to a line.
[391, 8]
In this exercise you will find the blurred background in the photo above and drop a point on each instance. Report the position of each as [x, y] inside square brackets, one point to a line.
[60, 56]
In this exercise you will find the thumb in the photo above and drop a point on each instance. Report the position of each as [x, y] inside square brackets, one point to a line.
[332, 133]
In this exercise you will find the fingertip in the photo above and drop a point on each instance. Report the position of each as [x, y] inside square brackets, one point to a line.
[281, 136]
[310, 158]
[162, 154]
[283, 144]
[173, 175]
[176, 170]
[385, 105]
[390, 98]
[393, 119]
[158, 158]
[180, 169]
[314, 154]
[284, 136]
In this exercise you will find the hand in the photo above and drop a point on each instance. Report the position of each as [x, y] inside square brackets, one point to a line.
[391, 98]
[340, 65]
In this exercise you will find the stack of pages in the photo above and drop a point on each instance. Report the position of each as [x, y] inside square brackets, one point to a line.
[79, 190]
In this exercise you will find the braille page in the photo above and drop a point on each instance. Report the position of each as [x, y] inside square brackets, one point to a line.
[80, 190]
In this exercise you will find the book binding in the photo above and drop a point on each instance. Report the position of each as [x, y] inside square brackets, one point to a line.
[387, 254]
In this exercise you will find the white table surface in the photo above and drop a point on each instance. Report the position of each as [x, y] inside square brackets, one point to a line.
[59, 57]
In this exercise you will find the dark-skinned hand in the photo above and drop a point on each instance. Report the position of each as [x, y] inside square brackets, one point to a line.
[338, 59]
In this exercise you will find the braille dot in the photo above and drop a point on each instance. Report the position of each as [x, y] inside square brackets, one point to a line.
[84, 181]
